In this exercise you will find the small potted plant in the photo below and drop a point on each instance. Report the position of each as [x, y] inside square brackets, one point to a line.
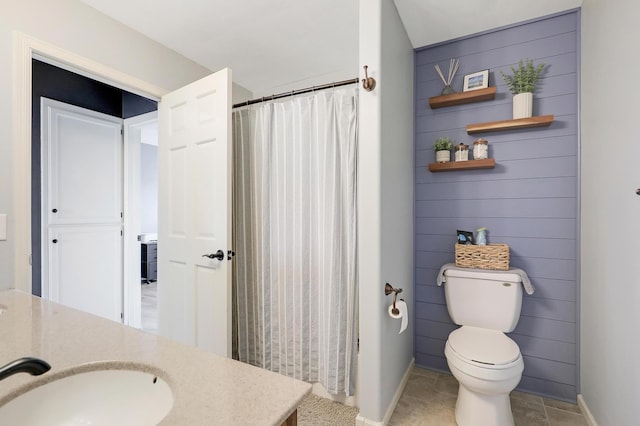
[522, 83]
[443, 147]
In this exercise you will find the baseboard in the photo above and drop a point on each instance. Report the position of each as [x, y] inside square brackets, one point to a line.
[588, 417]
[361, 421]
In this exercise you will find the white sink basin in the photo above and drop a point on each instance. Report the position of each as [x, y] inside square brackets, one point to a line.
[86, 396]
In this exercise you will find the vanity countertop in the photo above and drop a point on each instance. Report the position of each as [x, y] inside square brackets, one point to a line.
[207, 389]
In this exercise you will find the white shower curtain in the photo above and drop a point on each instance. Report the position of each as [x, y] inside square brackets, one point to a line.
[295, 270]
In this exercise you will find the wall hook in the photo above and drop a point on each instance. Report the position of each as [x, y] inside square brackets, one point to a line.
[388, 289]
[368, 83]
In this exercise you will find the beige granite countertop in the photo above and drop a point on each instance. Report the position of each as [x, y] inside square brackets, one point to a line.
[207, 389]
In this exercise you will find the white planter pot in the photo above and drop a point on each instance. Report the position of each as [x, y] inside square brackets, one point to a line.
[522, 105]
[443, 156]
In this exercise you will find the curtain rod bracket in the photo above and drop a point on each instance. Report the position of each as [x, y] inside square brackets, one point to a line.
[368, 83]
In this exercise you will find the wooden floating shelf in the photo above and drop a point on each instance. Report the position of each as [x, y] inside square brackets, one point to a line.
[471, 96]
[521, 123]
[487, 163]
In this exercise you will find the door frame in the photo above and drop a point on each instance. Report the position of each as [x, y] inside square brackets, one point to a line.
[26, 48]
[132, 213]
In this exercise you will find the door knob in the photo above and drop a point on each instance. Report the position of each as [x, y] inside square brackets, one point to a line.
[54, 241]
[217, 255]
[638, 191]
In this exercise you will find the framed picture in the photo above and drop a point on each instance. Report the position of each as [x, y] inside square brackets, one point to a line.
[477, 80]
[465, 237]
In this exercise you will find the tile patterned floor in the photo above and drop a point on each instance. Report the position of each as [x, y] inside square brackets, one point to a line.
[430, 399]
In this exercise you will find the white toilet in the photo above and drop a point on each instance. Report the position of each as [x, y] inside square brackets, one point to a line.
[487, 364]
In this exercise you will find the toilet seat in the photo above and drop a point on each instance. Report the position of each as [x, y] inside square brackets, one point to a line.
[483, 347]
[484, 354]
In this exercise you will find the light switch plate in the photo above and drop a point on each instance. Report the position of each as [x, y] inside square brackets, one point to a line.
[3, 227]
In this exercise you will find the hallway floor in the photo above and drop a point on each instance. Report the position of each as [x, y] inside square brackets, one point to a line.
[430, 399]
[150, 307]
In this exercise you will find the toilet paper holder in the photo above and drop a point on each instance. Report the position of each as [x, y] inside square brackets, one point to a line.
[388, 289]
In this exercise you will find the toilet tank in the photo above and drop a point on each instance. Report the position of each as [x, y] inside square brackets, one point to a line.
[490, 299]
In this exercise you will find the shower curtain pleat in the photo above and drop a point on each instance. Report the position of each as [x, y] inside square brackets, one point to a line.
[295, 274]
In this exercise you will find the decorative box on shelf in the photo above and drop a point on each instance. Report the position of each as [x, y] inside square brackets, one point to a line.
[491, 256]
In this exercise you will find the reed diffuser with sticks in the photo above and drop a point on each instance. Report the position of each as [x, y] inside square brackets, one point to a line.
[454, 63]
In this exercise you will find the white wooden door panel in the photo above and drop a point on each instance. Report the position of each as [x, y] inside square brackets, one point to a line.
[181, 301]
[209, 337]
[178, 181]
[85, 168]
[82, 265]
[194, 152]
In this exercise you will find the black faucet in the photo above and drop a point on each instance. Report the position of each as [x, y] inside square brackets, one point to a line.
[33, 366]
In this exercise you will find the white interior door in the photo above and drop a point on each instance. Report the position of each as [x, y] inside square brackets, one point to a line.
[194, 214]
[82, 209]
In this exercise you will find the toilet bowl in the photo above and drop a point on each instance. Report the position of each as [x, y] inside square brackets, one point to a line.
[488, 366]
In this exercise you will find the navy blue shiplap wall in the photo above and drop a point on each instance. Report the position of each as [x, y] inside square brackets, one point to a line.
[528, 201]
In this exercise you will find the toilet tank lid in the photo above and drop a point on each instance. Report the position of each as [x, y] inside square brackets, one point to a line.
[523, 277]
[483, 274]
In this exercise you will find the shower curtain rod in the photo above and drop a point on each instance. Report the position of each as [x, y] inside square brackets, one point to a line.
[297, 92]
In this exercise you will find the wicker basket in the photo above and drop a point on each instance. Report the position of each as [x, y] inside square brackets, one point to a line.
[491, 256]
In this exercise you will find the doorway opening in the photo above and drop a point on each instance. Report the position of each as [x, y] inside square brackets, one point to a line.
[148, 203]
[133, 110]
[199, 312]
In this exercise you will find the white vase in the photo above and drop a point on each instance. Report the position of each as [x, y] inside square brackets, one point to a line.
[522, 105]
[443, 156]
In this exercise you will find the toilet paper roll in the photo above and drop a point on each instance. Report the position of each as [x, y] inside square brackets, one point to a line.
[402, 315]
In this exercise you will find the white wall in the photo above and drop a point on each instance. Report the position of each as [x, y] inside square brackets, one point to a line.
[610, 286]
[75, 27]
[317, 80]
[385, 221]
[397, 185]
[148, 188]
[240, 94]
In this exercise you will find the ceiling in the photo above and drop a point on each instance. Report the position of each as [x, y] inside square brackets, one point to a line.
[432, 21]
[273, 43]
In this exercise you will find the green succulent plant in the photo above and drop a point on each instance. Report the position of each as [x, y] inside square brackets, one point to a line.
[524, 77]
[443, 144]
